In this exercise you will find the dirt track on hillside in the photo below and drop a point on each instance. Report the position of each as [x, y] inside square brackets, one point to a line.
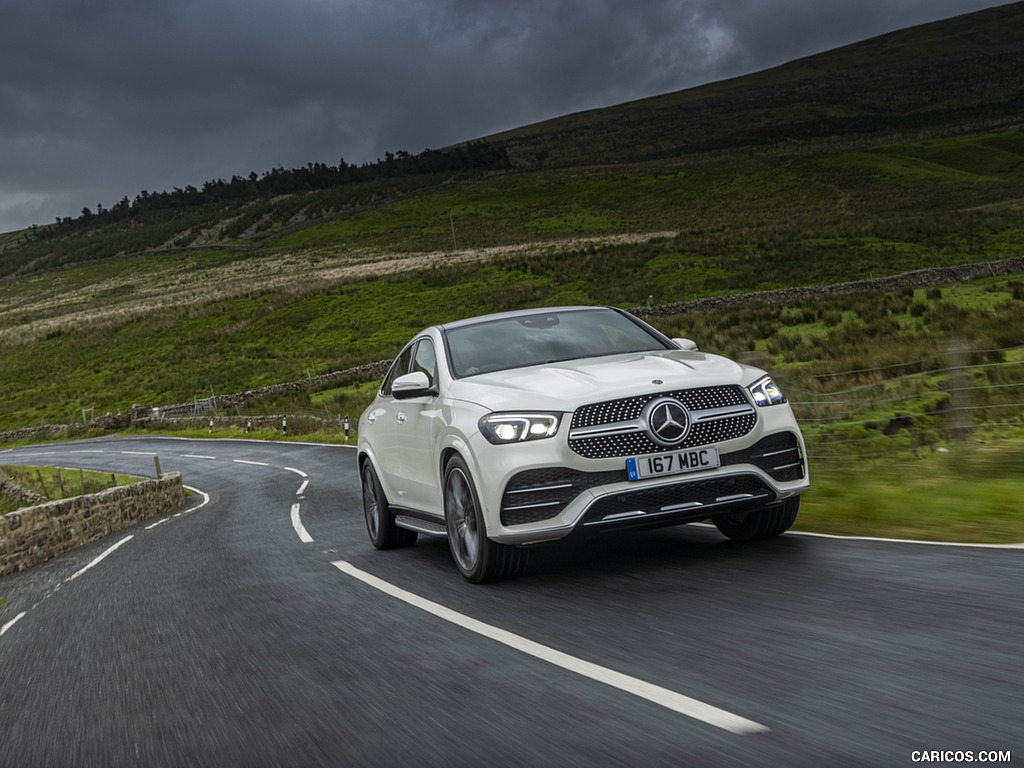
[51, 309]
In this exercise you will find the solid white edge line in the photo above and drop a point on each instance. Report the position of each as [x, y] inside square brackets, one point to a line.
[300, 529]
[676, 702]
[302, 488]
[841, 537]
[12, 622]
[204, 494]
[907, 541]
[297, 471]
[109, 551]
[254, 463]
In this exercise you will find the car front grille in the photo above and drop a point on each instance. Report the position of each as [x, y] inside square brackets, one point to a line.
[612, 428]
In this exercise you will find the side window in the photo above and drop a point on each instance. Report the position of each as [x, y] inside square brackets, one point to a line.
[426, 360]
[399, 368]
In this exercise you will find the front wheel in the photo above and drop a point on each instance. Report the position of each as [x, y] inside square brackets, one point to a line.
[759, 523]
[380, 523]
[478, 558]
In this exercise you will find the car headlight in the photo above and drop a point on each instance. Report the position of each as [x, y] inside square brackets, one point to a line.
[766, 392]
[502, 428]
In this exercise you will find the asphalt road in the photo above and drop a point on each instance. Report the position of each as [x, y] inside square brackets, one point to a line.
[258, 627]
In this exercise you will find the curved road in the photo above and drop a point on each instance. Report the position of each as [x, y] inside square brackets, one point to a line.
[258, 627]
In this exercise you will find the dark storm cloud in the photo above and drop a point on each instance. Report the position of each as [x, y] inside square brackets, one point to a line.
[103, 98]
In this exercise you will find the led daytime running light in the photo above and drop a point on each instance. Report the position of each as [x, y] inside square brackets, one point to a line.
[503, 428]
[766, 392]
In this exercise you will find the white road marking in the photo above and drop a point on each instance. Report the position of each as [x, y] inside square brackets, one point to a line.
[85, 451]
[841, 537]
[12, 622]
[195, 456]
[907, 541]
[254, 463]
[75, 575]
[677, 702]
[299, 527]
[297, 471]
[302, 488]
[206, 496]
[158, 522]
[138, 453]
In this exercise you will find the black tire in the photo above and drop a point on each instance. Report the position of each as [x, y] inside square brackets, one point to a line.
[380, 523]
[759, 523]
[478, 558]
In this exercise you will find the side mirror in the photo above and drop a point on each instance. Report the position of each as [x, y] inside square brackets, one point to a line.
[688, 344]
[415, 384]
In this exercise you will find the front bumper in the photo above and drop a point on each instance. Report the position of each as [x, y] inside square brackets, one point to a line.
[549, 503]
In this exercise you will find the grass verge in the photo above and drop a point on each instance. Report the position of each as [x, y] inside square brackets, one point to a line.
[53, 483]
[966, 493]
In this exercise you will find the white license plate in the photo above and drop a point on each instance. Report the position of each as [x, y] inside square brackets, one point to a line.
[673, 462]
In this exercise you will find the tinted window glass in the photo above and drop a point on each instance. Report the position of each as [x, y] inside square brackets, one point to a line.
[425, 360]
[516, 342]
[399, 368]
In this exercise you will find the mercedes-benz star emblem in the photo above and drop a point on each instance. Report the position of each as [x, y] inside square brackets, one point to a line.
[668, 421]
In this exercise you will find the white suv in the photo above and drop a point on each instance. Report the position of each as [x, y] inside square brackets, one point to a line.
[523, 427]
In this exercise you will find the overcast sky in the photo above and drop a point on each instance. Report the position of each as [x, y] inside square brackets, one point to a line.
[100, 99]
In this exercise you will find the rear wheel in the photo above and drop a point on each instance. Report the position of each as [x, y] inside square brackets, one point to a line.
[759, 523]
[478, 558]
[380, 523]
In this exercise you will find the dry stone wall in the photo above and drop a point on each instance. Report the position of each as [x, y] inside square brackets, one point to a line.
[921, 278]
[35, 534]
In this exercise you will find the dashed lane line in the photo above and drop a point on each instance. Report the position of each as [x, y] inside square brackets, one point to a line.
[97, 561]
[676, 702]
[254, 463]
[12, 622]
[300, 529]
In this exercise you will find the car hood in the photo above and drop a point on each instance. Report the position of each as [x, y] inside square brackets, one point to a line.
[566, 385]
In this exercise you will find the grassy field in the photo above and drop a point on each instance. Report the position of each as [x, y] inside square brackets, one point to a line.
[54, 484]
[969, 493]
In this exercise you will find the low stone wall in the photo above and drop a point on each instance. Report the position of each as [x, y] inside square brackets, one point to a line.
[921, 278]
[35, 534]
[139, 413]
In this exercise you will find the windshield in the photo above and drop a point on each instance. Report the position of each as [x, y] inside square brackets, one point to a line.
[535, 339]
